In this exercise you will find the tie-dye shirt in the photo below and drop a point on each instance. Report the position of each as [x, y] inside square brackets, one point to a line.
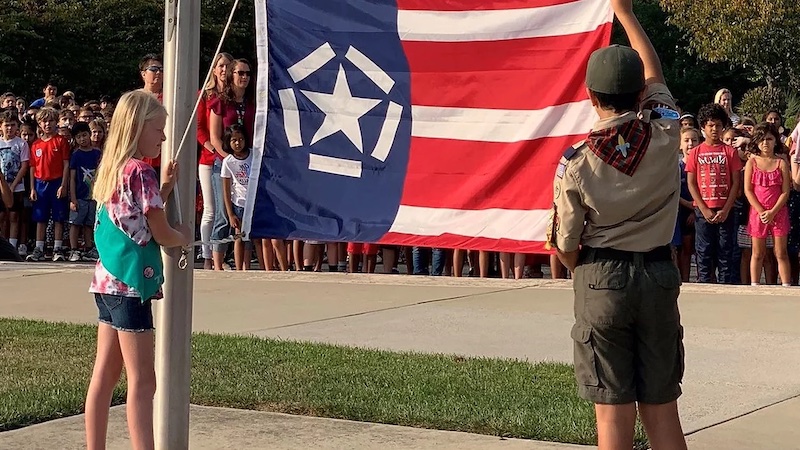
[139, 193]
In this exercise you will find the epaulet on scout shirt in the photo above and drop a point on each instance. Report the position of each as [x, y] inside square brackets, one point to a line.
[568, 154]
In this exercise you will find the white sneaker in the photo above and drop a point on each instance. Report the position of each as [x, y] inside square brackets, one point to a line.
[22, 250]
[74, 256]
[58, 255]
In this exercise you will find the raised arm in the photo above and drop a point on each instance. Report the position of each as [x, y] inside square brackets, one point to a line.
[639, 41]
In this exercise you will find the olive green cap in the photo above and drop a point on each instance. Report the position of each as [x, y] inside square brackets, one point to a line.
[615, 70]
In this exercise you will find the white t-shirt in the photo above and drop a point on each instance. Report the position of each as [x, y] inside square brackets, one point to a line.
[238, 170]
[12, 154]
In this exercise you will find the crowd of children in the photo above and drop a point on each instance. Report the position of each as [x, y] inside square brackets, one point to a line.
[49, 152]
[739, 210]
[739, 217]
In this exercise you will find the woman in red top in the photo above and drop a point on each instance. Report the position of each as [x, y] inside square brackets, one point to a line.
[208, 155]
[235, 104]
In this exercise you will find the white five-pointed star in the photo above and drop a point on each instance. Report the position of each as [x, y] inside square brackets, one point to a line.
[341, 110]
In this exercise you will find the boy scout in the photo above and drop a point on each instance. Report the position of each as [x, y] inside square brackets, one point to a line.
[615, 206]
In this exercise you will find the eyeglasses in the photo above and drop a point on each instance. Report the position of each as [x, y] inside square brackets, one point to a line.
[242, 73]
[155, 69]
[86, 117]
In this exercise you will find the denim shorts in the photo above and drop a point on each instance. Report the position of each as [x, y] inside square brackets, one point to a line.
[85, 215]
[125, 313]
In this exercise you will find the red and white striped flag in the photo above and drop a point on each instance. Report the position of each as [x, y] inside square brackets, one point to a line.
[488, 95]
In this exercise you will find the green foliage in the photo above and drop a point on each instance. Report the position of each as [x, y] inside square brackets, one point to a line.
[93, 47]
[692, 80]
[45, 367]
[757, 101]
[792, 110]
[759, 36]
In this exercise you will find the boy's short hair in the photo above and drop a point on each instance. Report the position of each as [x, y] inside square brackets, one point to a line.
[618, 102]
[47, 114]
[146, 59]
[54, 104]
[615, 76]
[8, 94]
[51, 82]
[9, 115]
[97, 124]
[80, 127]
[711, 112]
[65, 113]
[30, 124]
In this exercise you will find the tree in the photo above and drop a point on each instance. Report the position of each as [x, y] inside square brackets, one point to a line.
[693, 81]
[93, 47]
[759, 36]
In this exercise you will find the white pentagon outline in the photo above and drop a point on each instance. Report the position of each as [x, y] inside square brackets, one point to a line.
[311, 64]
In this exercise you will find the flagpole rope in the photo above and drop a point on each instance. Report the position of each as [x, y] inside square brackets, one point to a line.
[184, 260]
[176, 192]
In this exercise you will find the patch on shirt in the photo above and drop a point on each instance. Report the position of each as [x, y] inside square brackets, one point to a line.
[557, 191]
[560, 170]
[666, 112]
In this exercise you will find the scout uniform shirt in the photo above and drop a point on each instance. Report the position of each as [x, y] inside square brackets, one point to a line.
[619, 189]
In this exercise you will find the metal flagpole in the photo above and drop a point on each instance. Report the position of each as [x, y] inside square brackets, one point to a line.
[174, 313]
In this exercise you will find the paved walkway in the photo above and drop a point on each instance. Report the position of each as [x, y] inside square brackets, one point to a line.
[743, 352]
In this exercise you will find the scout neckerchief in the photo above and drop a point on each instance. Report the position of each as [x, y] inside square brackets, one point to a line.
[623, 146]
[138, 267]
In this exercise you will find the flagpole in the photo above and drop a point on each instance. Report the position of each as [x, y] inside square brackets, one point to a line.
[174, 313]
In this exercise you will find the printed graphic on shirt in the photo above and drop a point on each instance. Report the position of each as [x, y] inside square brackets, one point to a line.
[10, 162]
[714, 166]
[238, 170]
[12, 154]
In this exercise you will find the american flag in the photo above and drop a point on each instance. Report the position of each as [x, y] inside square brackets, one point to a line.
[418, 122]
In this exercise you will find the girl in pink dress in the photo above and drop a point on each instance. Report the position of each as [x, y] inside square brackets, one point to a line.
[767, 185]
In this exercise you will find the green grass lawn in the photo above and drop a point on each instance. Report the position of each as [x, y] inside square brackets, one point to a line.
[45, 369]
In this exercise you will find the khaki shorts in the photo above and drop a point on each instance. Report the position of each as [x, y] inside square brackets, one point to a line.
[628, 337]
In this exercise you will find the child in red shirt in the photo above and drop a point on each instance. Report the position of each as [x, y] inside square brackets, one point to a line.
[714, 178]
[49, 183]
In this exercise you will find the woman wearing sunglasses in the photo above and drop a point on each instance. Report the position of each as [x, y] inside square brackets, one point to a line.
[235, 105]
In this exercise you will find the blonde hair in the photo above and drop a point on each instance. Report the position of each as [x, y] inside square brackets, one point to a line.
[98, 124]
[133, 110]
[211, 85]
[47, 114]
[692, 130]
[720, 93]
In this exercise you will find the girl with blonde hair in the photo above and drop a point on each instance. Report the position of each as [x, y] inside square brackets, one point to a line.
[130, 231]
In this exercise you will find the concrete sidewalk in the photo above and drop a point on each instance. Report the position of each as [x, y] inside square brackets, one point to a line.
[742, 342]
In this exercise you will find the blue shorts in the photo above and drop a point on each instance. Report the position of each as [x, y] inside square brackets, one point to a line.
[47, 205]
[125, 313]
[85, 215]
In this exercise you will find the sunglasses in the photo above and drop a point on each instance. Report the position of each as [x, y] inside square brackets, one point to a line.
[155, 69]
[242, 73]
